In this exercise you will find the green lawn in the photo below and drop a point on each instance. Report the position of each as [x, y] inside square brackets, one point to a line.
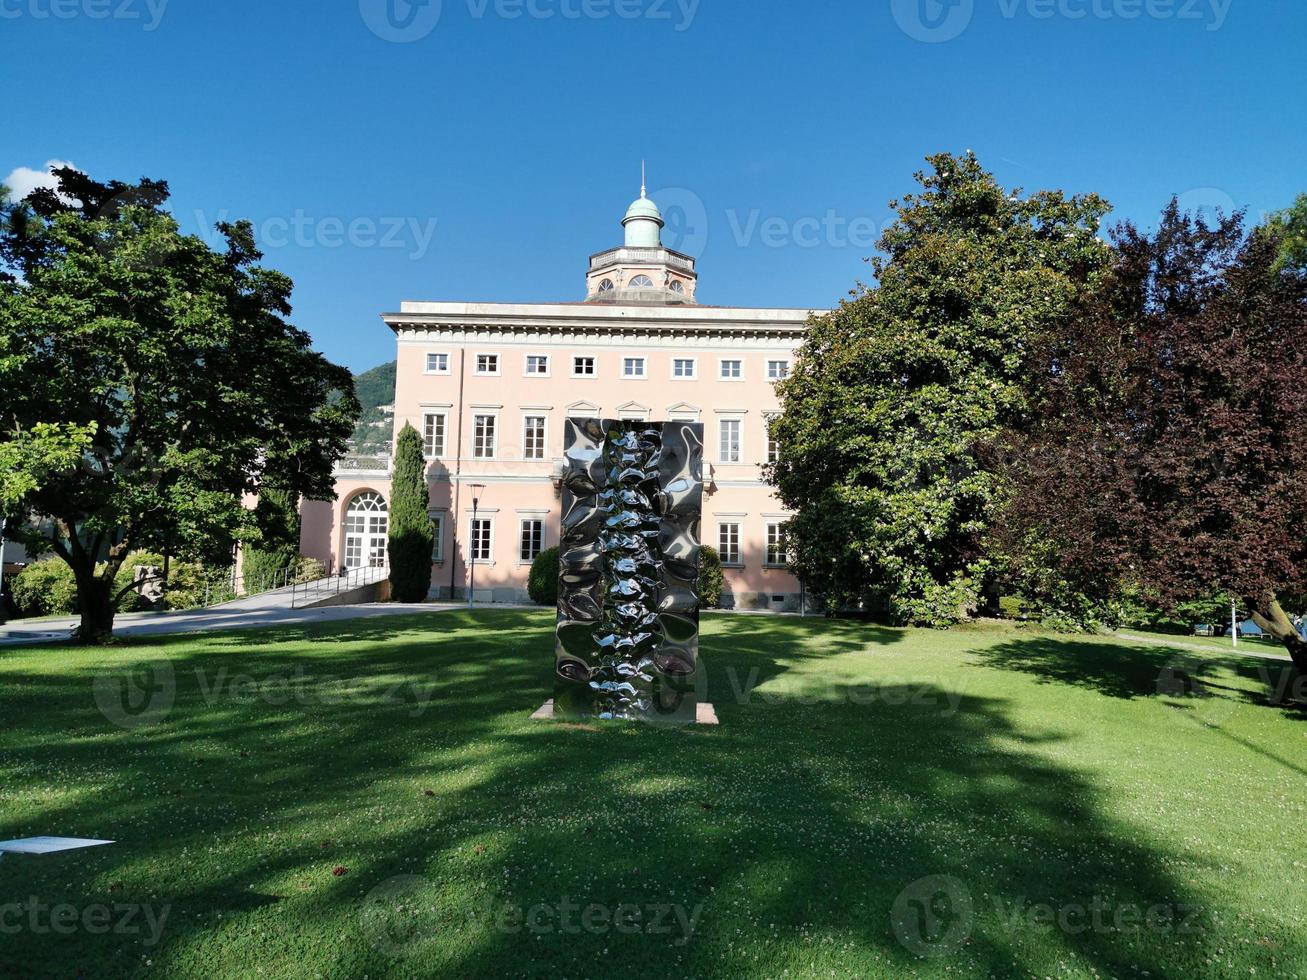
[876, 803]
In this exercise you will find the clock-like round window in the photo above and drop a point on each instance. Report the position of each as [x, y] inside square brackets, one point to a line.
[641, 282]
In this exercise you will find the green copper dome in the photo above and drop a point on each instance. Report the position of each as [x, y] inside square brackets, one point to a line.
[644, 224]
[642, 207]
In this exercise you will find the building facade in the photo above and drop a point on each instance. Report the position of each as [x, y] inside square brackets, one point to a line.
[490, 385]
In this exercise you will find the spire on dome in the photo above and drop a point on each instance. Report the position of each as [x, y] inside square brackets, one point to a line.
[643, 221]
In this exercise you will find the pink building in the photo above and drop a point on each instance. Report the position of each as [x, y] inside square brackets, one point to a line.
[490, 384]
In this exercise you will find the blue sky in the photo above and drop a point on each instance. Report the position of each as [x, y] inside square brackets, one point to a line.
[482, 149]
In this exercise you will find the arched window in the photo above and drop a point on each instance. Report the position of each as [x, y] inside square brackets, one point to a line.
[367, 520]
[606, 286]
[676, 286]
[641, 282]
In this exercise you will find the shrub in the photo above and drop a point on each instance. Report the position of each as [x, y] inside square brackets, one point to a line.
[45, 588]
[1013, 607]
[309, 570]
[542, 584]
[711, 579]
[411, 533]
[185, 582]
[264, 561]
[264, 570]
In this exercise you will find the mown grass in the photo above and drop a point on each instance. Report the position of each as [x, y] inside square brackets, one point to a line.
[876, 803]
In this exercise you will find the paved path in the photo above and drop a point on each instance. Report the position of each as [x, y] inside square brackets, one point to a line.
[218, 618]
[1243, 650]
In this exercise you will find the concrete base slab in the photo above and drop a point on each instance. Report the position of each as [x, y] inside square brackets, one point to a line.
[705, 714]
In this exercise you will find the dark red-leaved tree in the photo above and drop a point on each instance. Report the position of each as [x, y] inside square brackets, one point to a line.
[1164, 452]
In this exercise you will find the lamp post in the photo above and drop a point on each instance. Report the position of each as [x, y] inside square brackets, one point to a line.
[476, 489]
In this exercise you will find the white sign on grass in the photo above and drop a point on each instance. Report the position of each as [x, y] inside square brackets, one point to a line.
[48, 845]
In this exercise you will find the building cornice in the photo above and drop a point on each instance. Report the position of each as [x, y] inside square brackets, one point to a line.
[586, 322]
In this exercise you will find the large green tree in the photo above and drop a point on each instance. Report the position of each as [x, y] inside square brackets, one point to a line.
[173, 364]
[411, 533]
[893, 392]
[1290, 226]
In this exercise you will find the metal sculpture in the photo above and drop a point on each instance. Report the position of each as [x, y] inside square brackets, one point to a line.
[628, 589]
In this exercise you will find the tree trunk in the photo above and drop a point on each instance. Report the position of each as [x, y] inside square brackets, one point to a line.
[96, 599]
[1271, 618]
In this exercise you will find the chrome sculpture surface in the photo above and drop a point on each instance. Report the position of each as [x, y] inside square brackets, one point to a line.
[628, 589]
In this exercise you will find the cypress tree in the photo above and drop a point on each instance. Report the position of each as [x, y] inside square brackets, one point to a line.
[410, 523]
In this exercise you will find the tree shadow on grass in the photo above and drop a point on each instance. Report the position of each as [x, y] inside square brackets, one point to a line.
[809, 837]
[1121, 671]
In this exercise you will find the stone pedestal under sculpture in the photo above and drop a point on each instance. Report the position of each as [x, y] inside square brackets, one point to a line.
[628, 590]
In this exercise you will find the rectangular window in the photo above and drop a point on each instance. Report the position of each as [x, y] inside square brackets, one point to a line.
[433, 434]
[583, 367]
[633, 367]
[532, 539]
[683, 367]
[481, 538]
[537, 365]
[777, 545]
[773, 445]
[437, 364]
[487, 364]
[730, 441]
[483, 436]
[437, 537]
[728, 539]
[732, 370]
[533, 437]
[778, 370]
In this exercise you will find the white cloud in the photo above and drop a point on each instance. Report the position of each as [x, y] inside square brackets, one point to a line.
[23, 180]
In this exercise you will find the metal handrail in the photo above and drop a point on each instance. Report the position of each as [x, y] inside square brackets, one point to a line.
[232, 586]
[346, 581]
